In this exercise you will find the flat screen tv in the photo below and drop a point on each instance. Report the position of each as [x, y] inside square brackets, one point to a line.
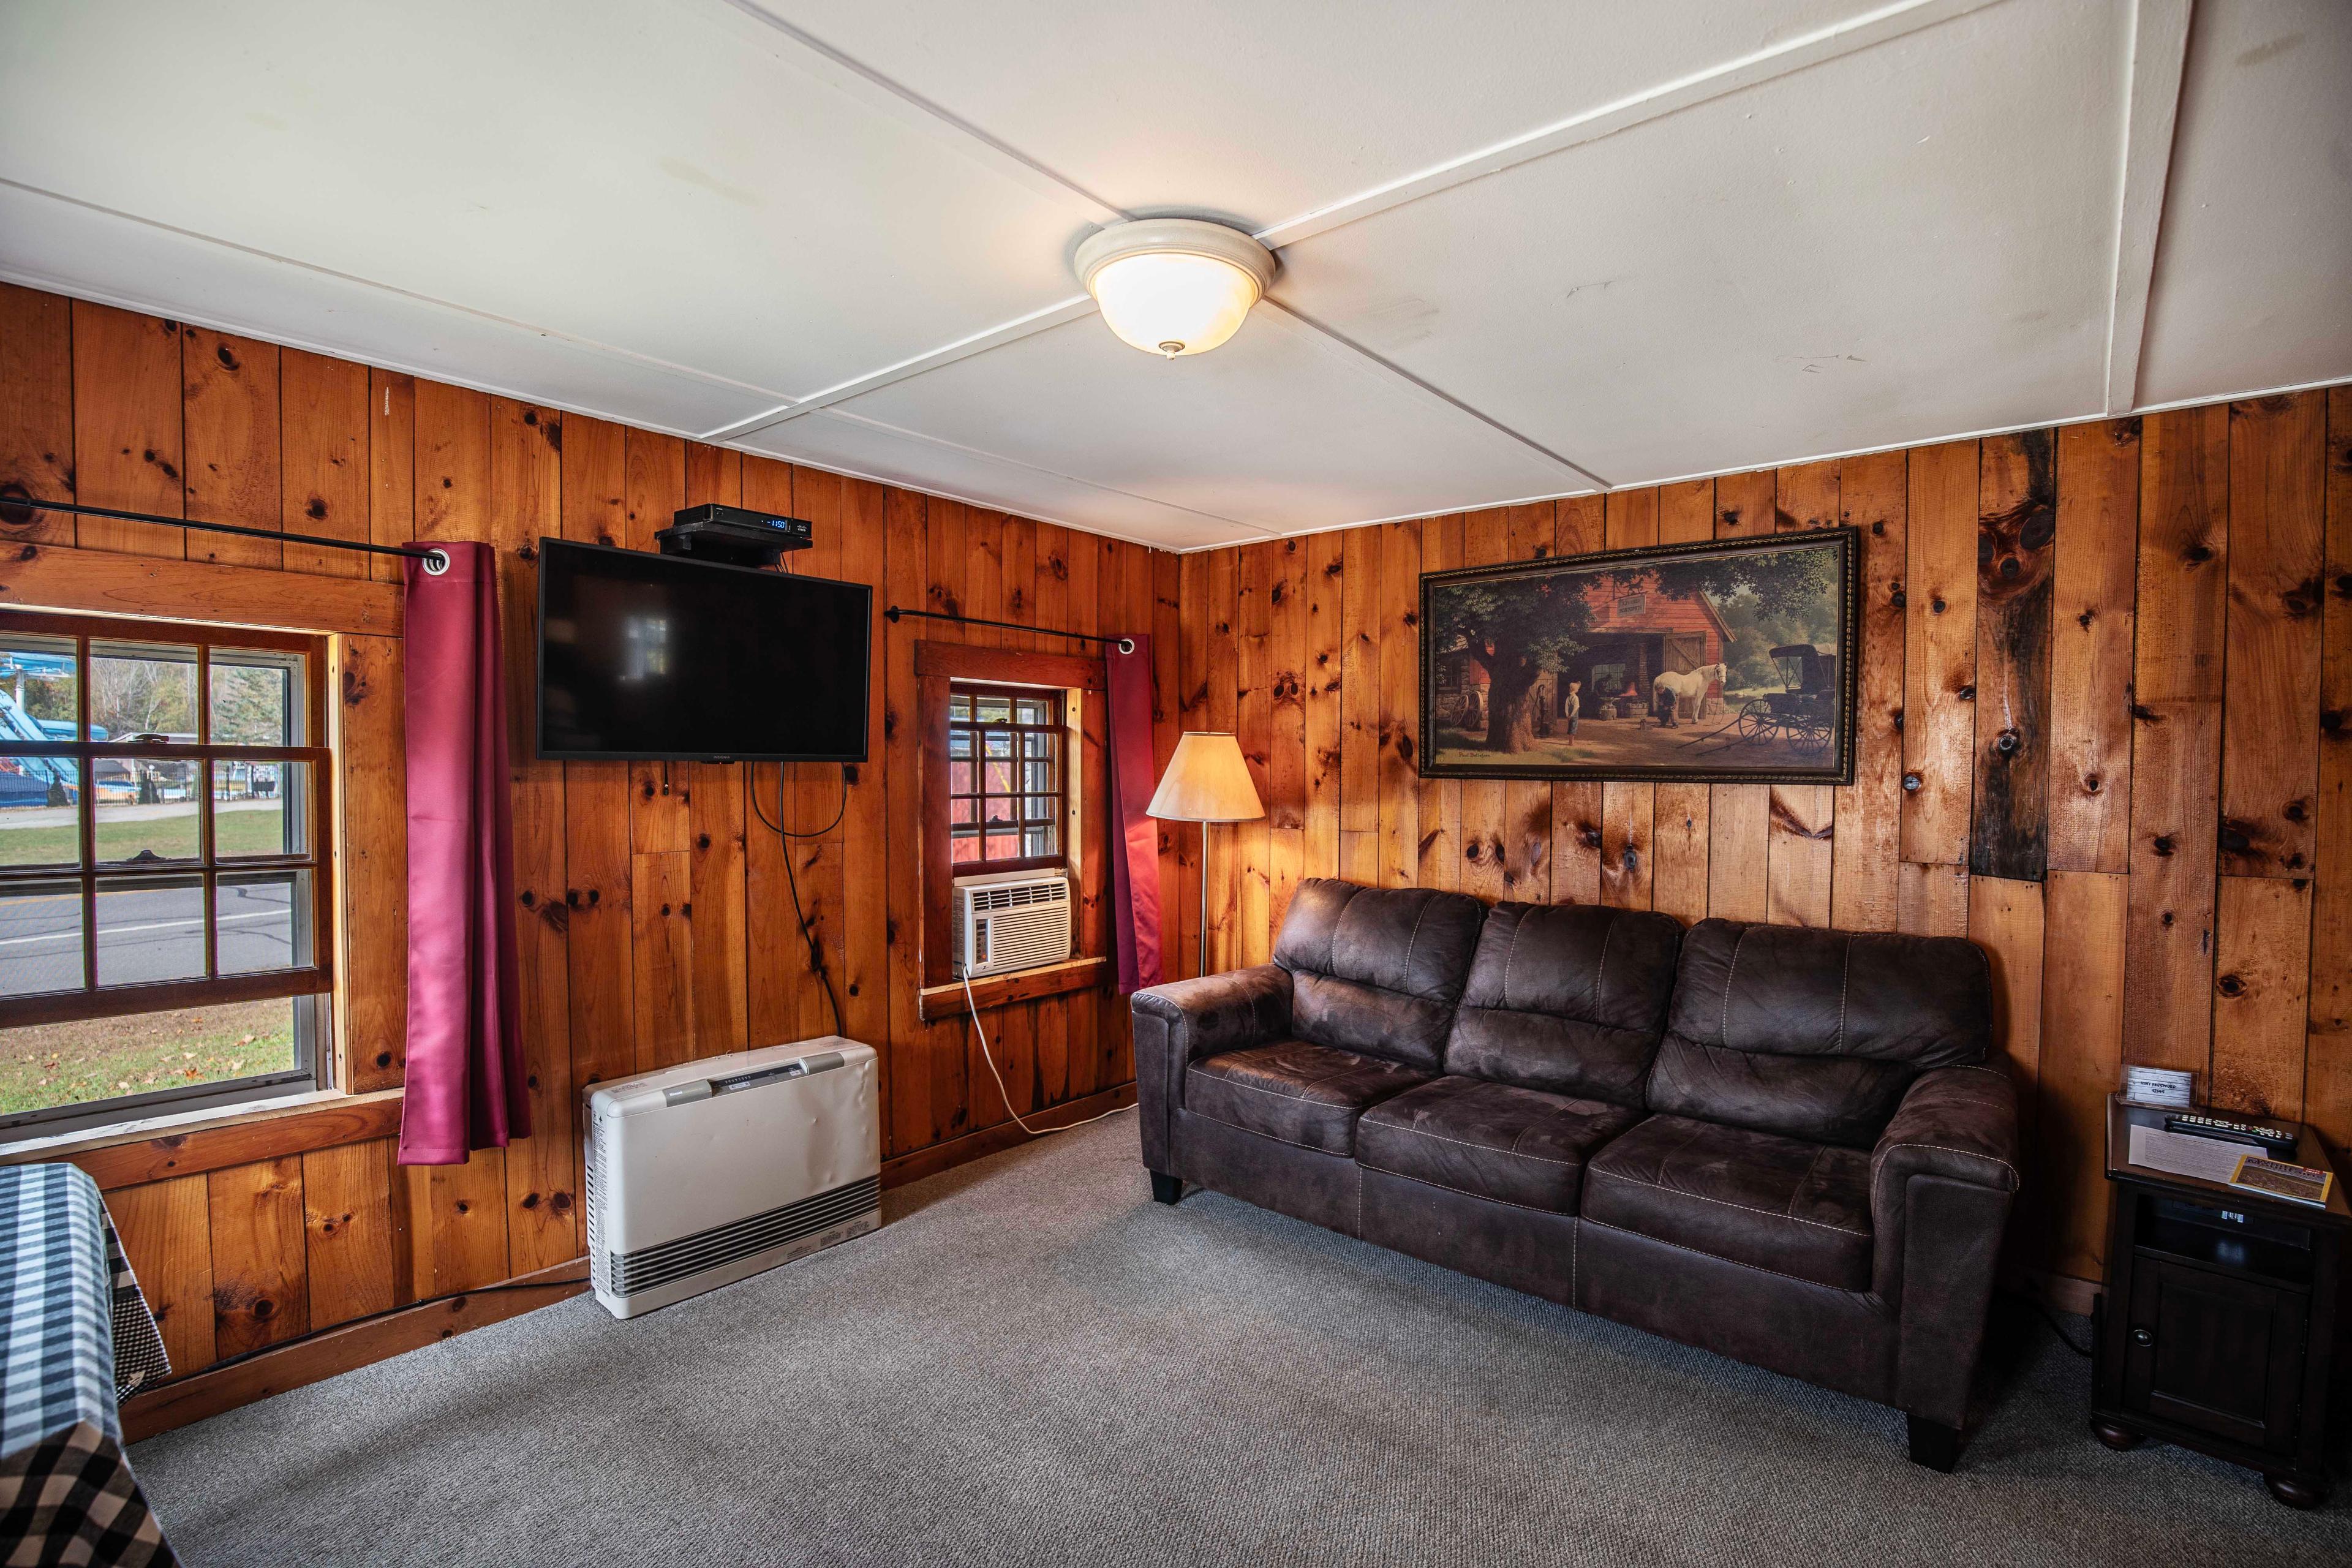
[643, 656]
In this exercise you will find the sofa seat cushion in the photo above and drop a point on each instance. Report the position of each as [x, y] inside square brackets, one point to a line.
[1490, 1139]
[1302, 1093]
[1774, 1203]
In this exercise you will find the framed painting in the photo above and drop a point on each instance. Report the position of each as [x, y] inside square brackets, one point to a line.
[1717, 663]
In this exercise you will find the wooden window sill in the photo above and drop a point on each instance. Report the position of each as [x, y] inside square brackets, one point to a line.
[155, 1148]
[936, 1002]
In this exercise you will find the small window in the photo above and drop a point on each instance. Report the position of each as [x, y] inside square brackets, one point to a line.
[164, 899]
[1006, 778]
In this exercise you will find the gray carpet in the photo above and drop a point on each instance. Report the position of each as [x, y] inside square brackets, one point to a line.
[1033, 1363]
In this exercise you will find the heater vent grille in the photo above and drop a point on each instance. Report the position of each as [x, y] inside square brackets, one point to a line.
[651, 1267]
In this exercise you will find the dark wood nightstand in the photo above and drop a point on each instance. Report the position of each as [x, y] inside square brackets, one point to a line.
[2219, 1314]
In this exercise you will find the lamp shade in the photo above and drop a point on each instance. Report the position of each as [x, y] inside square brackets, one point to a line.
[1206, 781]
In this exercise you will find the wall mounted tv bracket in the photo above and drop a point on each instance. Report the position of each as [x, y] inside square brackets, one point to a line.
[732, 535]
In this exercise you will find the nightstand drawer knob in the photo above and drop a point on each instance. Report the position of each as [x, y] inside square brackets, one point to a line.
[2143, 1338]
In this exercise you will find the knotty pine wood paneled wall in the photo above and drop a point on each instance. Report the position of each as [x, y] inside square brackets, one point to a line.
[656, 926]
[2106, 674]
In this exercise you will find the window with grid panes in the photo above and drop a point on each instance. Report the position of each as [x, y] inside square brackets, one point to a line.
[163, 898]
[1005, 778]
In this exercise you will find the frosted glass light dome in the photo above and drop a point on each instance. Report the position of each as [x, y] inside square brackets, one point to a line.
[1174, 285]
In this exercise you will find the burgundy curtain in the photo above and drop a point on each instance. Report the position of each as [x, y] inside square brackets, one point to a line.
[465, 1088]
[1135, 838]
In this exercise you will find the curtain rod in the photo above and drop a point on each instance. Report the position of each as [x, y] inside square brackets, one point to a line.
[892, 614]
[436, 560]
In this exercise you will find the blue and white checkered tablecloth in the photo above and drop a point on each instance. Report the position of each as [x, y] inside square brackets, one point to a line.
[78, 1339]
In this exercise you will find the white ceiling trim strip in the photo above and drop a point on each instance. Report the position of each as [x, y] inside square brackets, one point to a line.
[665, 366]
[2202, 400]
[935, 491]
[999, 458]
[870, 87]
[1830, 42]
[1364, 360]
[2160, 54]
[1053, 315]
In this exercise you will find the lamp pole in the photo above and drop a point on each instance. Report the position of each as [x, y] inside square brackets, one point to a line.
[1204, 969]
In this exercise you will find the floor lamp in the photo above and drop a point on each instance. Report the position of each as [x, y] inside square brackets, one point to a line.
[1206, 781]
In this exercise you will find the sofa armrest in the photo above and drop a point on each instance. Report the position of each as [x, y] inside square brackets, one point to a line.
[1183, 1020]
[1960, 1123]
[1941, 1182]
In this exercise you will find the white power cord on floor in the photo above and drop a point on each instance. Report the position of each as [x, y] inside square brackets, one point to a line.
[989, 1058]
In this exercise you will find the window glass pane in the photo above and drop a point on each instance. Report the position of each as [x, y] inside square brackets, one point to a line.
[260, 809]
[1037, 777]
[37, 687]
[1037, 744]
[146, 808]
[258, 697]
[102, 1058]
[959, 743]
[1038, 808]
[1037, 841]
[1033, 710]
[262, 922]
[39, 822]
[998, 779]
[993, 710]
[958, 706]
[151, 929]
[40, 938]
[960, 778]
[1004, 845]
[963, 813]
[141, 692]
[965, 846]
[997, 742]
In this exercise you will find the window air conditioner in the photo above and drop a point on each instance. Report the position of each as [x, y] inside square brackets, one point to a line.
[709, 1173]
[1011, 920]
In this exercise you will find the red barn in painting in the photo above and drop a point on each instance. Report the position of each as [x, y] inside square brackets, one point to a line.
[1636, 634]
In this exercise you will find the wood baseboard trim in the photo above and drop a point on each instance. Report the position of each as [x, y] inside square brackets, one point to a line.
[340, 1350]
[995, 1140]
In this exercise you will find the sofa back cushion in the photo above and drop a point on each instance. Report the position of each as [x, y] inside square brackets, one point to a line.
[1377, 970]
[1569, 998]
[1815, 1034]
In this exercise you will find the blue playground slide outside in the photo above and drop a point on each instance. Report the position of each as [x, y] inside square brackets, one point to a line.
[36, 781]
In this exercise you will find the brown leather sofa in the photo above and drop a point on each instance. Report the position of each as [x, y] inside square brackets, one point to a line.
[1779, 1144]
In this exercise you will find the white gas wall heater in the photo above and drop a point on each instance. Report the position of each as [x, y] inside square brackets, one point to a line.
[709, 1173]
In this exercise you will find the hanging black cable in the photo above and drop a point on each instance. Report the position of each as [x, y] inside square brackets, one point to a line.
[892, 614]
[2049, 1319]
[815, 948]
[436, 560]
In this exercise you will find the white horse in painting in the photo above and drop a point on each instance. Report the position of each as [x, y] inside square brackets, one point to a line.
[1688, 686]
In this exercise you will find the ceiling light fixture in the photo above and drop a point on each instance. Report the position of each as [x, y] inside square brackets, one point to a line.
[1175, 285]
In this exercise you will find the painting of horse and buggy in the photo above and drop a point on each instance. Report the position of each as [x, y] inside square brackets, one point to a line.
[1726, 663]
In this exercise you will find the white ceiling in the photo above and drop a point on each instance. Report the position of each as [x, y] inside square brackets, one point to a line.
[1527, 250]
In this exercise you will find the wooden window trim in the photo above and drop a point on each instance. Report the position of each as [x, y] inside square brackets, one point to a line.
[62, 577]
[92, 1001]
[937, 667]
[936, 1002]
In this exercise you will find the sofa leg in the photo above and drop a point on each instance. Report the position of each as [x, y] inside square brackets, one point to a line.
[1166, 1189]
[1933, 1444]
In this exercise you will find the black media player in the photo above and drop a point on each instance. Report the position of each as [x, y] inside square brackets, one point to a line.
[732, 535]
